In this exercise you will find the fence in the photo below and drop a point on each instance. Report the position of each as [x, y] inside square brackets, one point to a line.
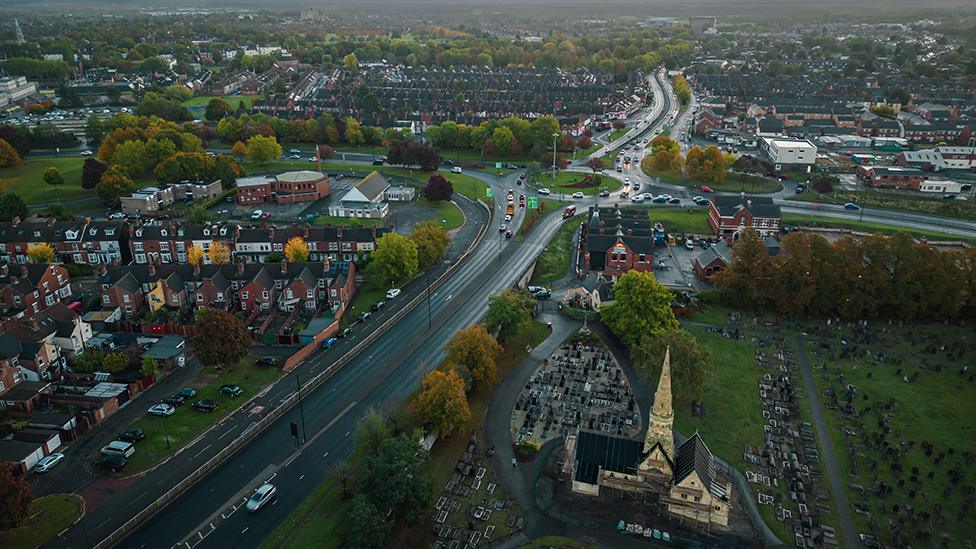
[275, 413]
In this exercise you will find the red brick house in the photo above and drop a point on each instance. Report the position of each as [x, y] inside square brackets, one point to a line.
[728, 215]
[85, 241]
[618, 240]
[28, 289]
[286, 188]
[894, 176]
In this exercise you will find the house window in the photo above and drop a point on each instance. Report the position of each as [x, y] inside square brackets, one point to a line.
[220, 296]
[199, 298]
[105, 299]
[264, 294]
[310, 294]
[333, 292]
[125, 298]
[244, 296]
[640, 258]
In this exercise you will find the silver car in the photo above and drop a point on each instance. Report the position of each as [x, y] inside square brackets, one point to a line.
[261, 497]
[48, 463]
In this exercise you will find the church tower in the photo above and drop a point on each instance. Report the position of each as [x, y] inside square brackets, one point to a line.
[659, 424]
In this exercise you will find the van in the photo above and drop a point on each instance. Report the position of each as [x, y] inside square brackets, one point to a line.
[456, 169]
[119, 447]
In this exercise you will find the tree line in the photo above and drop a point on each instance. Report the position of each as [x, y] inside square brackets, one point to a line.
[709, 165]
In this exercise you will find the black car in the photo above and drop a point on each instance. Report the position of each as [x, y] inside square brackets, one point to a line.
[344, 333]
[112, 462]
[132, 435]
[231, 390]
[604, 193]
[205, 405]
[187, 393]
[267, 361]
[175, 400]
[378, 305]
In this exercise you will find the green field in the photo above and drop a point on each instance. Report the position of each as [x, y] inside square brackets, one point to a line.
[681, 220]
[564, 181]
[165, 435]
[201, 101]
[959, 209]
[617, 134]
[348, 221]
[46, 517]
[27, 180]
[733, 182]
[867, 226]
[449, 216]
[554, 261]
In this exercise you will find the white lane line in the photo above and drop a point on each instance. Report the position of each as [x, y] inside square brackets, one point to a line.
[202, 451]
[244, 530]
[301, 477]
[325, 454]
[225, 433]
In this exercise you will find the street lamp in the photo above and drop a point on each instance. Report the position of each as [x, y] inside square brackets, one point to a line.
[554, 136]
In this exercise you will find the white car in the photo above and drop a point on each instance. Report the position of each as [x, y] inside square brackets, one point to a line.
[544, 191]
[257, 214]
[117, 215]
[626, 180]
[86, 153]
[294, 151]
[162, 409]
[577, 194]
[48, 463]
[508, 217]
[637, 198]
[392, 293]
[264, 494]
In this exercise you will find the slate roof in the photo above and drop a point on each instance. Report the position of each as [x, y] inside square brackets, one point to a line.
[373, 185]
[694, 456]
[758, 206]
[596, 450]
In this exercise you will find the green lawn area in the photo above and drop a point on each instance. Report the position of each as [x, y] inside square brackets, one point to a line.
[959, 209]
[363, 301]
[27, 180]
[553, 262]
[347, 221]
[202, 100]
[564, 181]
[616, 134]
[46, 517]
[610, 160]
[681, 220]
[733, 181]
[164, 435]
[558, 542]
[868, 226]
[471, 187]
[449, 216]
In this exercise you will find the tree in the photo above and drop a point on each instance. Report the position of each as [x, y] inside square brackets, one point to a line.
[442, 402]
[395, 257]
[542, 129]
[397, 479]
[41, 253]
[372, 431]
[595, 164]
[350, 61]
[132, 157]
[114, 183]
[59, 212]
[52, 176]
[263, 149]
[91, 173]
[642, 305]
[115, 362]
[437, 188]
[177, 92]
[474, 350]
[584, 142]
[363, 525]
[412, 153]
[19, 137]
[8, 155]
[508, 311]
[682, 89]
[14, 496]
[219, 338]
[217, 108]
[743, 281]
[690, 363]
[296, 250]
[325, 151]
[219, 253]
[149, 367]
[194, 255]
[822, 185]
[239, 150]
[431, 240]
[11, 206]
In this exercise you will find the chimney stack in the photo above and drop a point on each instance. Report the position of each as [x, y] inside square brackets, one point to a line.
[284, 266]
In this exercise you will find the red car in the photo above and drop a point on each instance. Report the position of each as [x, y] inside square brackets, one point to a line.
[266, 215]
[706, 189]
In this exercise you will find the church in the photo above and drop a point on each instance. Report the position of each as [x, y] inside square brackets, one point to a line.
[684, 479]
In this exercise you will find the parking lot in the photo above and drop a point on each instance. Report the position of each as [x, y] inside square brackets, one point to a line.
[672, 267]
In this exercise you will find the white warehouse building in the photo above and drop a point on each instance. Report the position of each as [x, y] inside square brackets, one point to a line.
[785, 152]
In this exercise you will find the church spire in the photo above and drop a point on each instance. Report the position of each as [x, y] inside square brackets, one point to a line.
[662, 397]
[662, 414]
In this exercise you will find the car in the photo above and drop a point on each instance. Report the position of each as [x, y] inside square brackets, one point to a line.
[624, 194]
[295, 157]
[294, 151]
[223, 211]
[627, 180]
[949, 197]
[783, 178]
[689, 244]
[174, 400]
[502, 228]
[363, 316]
[329, 342]
[392, 293]
[706, 189]
[344, 333]
[131, 435]
[187, 392]
[267, 361]
[256, 214]
[264, 494]
[508, 217]
[619, 169]
[313, 159]
[377, 306]
[508, 233]
[674, 201]
[698, 199]
[116, 215]
[112, 462]
[659, 200]
[456, 169]
[377, 162]
[48, 462]
[851, 206]
[231, 390]
[162, 409]
[604, 193]
[542, 293]
[638, 198]
[266, 215]
[205, 405]
[577, 194]
[544, 191]
[86, 153]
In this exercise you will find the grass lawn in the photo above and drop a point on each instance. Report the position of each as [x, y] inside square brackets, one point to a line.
[449, 216]
[959, 209]
[681, 220]
[617, 134]
[46, 517]
[202, 100]
[553, 262]
[471, 187]
[347, 221]
[733, 181]
[27, 180]
[558, 542]
[610, 160]
[867, 226]
[564, 181]
[164, 435]
[363, 302]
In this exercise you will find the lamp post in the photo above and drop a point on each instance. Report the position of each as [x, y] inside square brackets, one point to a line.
[554, 136]
[301, 410]
[428, 298]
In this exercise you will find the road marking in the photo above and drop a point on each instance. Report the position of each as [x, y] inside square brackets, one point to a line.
[202, 451]
[225, 433]
[347, 433]
[271, 477]
[301, 477]
[200, 534]
[244, 530]
[325, 454]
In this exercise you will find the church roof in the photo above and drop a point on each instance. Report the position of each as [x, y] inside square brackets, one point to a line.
[694, 456]
[596, 450]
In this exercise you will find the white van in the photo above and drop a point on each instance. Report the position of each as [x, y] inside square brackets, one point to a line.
[119, 447]
[456, 169]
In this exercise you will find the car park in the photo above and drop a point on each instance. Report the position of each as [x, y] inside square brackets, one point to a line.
[111, 462]
[267, 361]
[329, 342]
[231, 390]
[261, 497]
[162, 409]
[205, 405]
[392, 293]
[131, 435]
[48, 462]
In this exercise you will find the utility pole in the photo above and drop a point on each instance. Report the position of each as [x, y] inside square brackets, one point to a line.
[301, 410]
[554, 136]
[428, 299]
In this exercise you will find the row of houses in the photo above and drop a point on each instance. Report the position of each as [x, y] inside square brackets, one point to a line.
[77, 241]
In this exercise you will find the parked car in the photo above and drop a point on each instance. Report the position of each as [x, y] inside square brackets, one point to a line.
[344, 333]
[392, 293]
[187, 392]
[363, 316]
[659, 200]
[116, 215]
[205, 405]
[378, 305]
[162, 409]
[577, 194]
[86, 153]
[256, 214]
[112, 462]
[502, 228]
[456, 169]
[674, 201]
[266, 215]
[851, 206]
[48, 462]
[294, 151]
[604, 193]
[542, 293]
[132, 435]
[328, 343]
[638, 198]
[689, 244]
[544, 191]
[264, 494]
[706, 189]
[119, 447]
[231, 390]
[267, 361]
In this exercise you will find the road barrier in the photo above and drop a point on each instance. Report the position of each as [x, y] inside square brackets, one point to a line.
[279, 410]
